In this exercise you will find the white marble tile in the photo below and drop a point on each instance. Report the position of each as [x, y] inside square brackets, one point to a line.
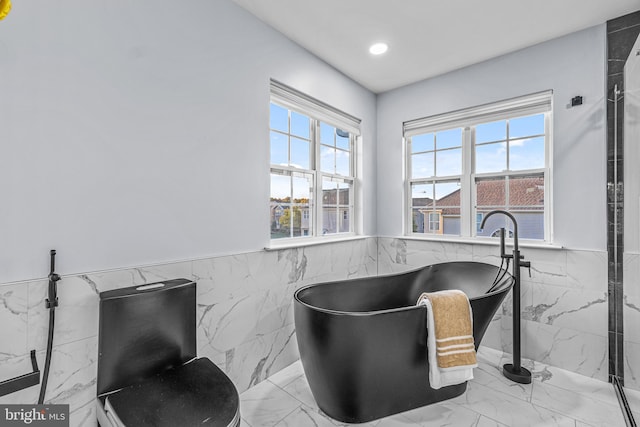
[76, 316]
[342, 260]
[631, 299]
[632, 365]
[299, 388]
[587, 270]
[84, 416]
[305, 416]
[287, 374]
[563, 307]
[17, 366]
[441, 414]
[116, 279]
[576, 351]
[490, 375]
[548, 266]
[509, 410]
[256, 360]
[574, 383]
[577, 405]
[633, 397]
[73, 373]
[14, 320]
[266, 405]
[228, 323]
[488, 422]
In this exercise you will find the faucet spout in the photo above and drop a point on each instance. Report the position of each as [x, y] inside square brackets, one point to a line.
[515, 224]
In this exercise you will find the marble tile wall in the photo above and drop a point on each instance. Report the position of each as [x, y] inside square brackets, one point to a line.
[631, 319]
[564, 302]
[244, 317]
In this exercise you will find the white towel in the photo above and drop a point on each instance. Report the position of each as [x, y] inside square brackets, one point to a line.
[441, 377]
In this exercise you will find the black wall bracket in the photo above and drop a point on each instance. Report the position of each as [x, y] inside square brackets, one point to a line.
[23, 381]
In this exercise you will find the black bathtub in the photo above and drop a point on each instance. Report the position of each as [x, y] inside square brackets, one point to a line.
[363, 341]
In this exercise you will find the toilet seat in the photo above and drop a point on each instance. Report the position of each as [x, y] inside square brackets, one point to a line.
[197, 393]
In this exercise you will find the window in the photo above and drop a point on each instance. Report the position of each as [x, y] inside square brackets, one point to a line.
[463, 164]
[312, 148]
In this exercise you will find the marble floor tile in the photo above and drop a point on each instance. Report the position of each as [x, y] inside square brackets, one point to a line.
[577, 405]
[287, 375]
[266, 404]
[555, 398]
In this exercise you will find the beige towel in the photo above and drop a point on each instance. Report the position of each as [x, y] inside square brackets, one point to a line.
[453, 328]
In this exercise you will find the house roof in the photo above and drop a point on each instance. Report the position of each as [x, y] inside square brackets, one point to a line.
[524, 194]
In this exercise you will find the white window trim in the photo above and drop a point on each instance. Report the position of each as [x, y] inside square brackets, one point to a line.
[537, 103]
[294, 100]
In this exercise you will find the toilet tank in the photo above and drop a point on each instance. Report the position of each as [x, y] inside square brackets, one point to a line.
[144, 330]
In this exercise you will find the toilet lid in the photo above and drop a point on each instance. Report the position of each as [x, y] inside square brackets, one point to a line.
[197, 393]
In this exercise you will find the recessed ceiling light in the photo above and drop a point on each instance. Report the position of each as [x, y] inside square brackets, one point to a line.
[378, 48]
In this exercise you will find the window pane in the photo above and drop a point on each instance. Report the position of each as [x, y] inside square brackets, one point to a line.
[451, 221]
[490, 194]
[342, 139]
[488, 132]
[417, 219]
[279, 149]
[447, 194]
[526, 126]
[526, 154]
[280, 204]
[343, 163]
[423, 142]
[526, 202]
[279, 118]
[329, 207]
[344, 199]
[422, 194]
[527, 192]
[300, 155]
[449, 138]
[422, 165]
[491, 158]
[300, 125]
[327, 159]
[448, 207]
[327, 134]
[302, 189]
[290, 202]
[280, 188]
[449, 162]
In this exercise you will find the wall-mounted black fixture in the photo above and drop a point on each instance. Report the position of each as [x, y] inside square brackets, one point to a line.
[576, 100]
[50, 303]
[23, 381]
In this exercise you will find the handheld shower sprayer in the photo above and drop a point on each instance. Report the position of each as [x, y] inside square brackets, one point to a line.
[51, 303]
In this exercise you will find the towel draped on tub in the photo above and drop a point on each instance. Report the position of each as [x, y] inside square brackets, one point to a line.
[450, 345]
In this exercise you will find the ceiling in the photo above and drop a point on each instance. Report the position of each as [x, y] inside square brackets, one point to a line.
[425, 37]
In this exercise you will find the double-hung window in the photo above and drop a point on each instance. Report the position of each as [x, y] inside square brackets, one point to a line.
[313, 177]
[464, 164]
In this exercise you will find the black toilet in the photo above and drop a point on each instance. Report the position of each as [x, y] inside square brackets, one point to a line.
[148, 373]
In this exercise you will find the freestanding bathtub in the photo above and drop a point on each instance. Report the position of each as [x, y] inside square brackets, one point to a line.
[363, 342]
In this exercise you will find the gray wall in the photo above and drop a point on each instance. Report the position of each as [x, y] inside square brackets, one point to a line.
[136, 133]
[571, 65]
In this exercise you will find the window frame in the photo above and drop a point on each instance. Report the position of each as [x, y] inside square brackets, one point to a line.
[320, 113]
[467, 119]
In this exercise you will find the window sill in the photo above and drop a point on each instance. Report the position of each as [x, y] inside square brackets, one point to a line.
[315, 241]
[483, 241]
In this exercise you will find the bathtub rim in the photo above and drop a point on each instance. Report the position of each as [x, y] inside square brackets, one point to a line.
[502, 289]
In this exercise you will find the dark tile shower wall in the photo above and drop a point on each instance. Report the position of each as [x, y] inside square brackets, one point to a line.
[621, 35]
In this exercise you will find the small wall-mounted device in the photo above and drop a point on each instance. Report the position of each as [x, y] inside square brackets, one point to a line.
[576, 100]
